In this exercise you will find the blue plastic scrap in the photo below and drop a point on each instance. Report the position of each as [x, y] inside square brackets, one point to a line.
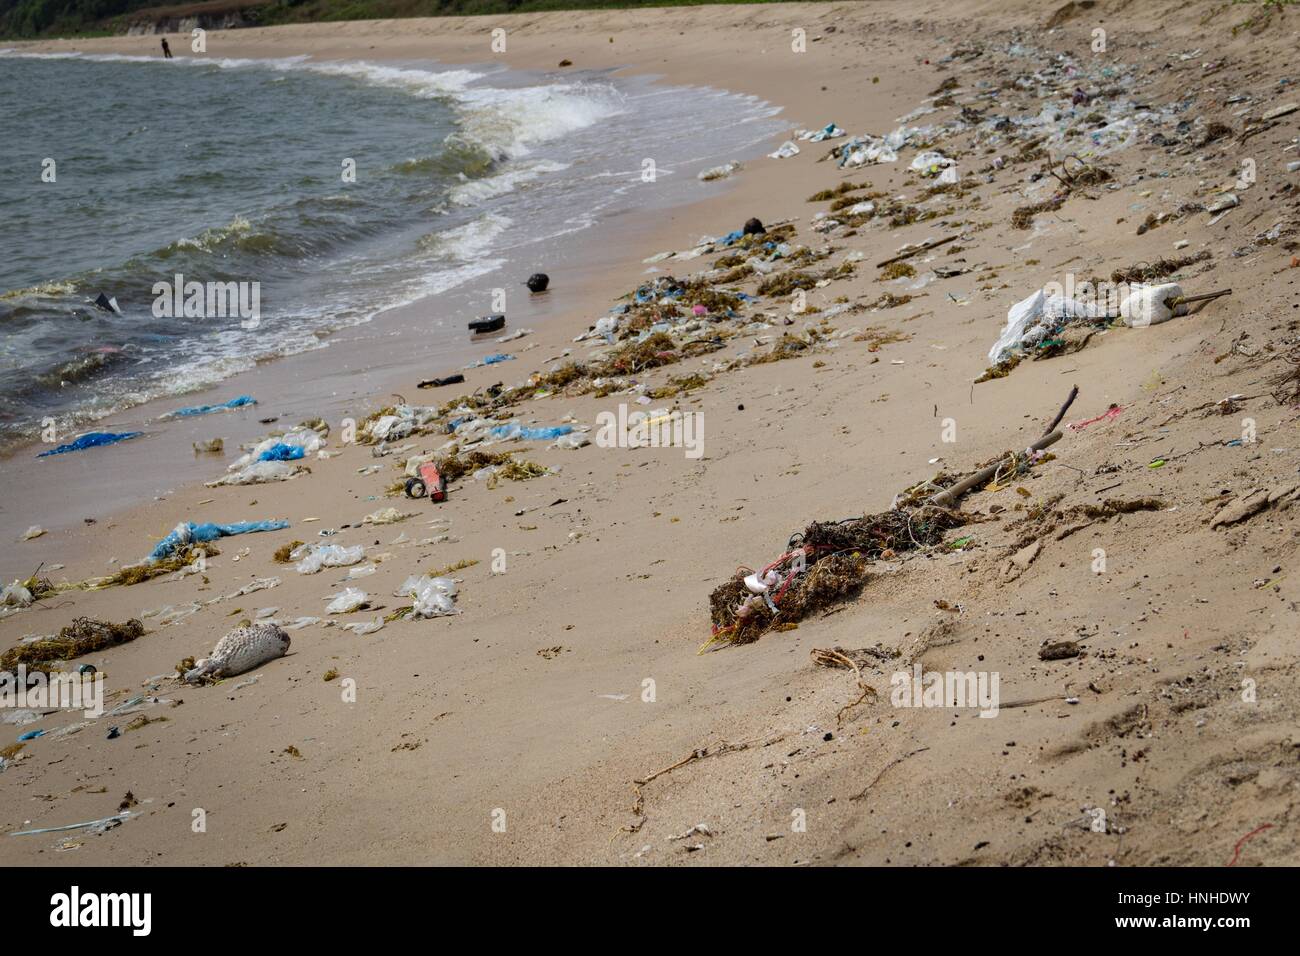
[90, 440]
[208, 532]
[282, 451]
[492, 360]
[239, 402]
[530, 434]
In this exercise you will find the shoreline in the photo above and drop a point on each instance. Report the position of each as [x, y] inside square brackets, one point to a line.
[533, 700]
[584, 256]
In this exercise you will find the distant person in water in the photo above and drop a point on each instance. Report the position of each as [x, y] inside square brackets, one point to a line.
[167, 51]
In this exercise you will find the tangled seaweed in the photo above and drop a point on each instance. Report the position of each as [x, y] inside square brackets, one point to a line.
[139, 573]
[1023, 217]
[1286, 387]
[455, 466]
[1150, 271]
[83, 636]
[827, 563]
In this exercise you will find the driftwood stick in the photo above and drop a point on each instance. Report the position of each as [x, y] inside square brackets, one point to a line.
[947, 498]
[923, 247]
[1074, 393]
[1203, 297]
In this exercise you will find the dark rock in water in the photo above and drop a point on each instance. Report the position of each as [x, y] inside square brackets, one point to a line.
[754, 227]
[538, 282]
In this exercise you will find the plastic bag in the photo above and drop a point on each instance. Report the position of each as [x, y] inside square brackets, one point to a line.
[1029, 313]
[349, 599]
[1148, 304]
[259, 472]
[930, 163]
[514, 430]
[15, 595]
[187, 533]
[330, 556]
[572, 441]
[432, 597]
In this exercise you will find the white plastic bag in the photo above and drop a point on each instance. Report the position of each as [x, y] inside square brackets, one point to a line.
[1147, 304]
[15, 595]
[349, 599]
[930, 163]
[1025, 316]
[431, 597]
[259, 472]
[330, 556]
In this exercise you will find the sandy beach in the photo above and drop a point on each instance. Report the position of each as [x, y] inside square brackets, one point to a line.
[566, 714]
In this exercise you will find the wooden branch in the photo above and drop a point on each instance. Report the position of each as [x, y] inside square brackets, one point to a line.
[923, 247]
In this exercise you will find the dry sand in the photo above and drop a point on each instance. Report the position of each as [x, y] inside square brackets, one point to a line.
[528, 706]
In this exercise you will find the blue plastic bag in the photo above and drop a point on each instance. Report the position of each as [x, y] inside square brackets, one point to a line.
[90, 440]
[207, 532]
[282, 451]
[239, 402]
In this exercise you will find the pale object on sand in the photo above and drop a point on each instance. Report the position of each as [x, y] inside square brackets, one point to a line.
[1150, 304]
[240, 651]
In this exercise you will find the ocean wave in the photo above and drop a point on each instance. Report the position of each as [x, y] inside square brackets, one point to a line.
[474, 191]
[469, 242]
[506, 121]
[44, 289]
[81, 368]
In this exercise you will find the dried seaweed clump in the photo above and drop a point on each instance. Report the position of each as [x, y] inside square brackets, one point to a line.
[514, 470]
[844, 202]
[562, 377]
[1150, 271]
[282, 553]
[1286, 386]
[676, 386]
[896, 270]
[886, 301]
[1215, 131]
[832, 580]
[895, 531]
[83, 636]
[786, 283]
[715, 300]
[877, 337]
[651, 352]
[787, 346]
[1001, 370]
[454, 466]
[460, 565]
[840, 190]
[139, 573]
[827, 563]
[1023, 217]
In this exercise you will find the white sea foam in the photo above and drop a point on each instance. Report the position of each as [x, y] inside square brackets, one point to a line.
[506, 121]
